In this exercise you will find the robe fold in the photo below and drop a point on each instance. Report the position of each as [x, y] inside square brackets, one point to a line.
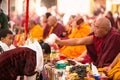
[104, 50]
[114, 73]
[76, 51]
[58, 29]
[18, 61]
[36, 32]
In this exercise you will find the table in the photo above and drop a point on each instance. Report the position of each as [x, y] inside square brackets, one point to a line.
[53, 73]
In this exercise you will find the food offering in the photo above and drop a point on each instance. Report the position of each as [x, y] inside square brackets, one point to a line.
[79, 71]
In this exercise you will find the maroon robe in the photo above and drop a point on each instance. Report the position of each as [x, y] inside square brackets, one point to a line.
[46, 31]
[15, 62]
[59, 30]
[104, 50]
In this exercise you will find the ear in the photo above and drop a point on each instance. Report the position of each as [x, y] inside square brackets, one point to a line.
[43, 51]
[2, 39]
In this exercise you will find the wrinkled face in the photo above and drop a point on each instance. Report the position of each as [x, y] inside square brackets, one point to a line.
[99, 30]
[8, 39]
[50, 22]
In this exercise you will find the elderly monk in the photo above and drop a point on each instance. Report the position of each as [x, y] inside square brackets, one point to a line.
[54, 27]
[81, 29]
[102, 45]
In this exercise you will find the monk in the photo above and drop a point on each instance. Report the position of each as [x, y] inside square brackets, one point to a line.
[45, 18]
[35, 30]
[102, 44]
[81, 29]
[54, 27]
[27, 60]
[16, 62]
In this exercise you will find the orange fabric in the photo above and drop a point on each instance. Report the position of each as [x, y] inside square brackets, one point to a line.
[75, 51]
[114, 73]
[36, 32]
[19, 39]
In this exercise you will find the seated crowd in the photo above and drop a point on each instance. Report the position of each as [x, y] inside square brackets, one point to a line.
[23, 54]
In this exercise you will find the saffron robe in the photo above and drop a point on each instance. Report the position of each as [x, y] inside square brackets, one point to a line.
[114, 73]
[36, 32]
[104, 50]
[75, 51]
[18, 61]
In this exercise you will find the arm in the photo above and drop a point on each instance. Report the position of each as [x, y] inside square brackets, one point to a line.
[75, 41]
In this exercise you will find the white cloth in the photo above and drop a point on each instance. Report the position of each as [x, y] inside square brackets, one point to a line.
[5, 47]
[39, 53]
[51, 39]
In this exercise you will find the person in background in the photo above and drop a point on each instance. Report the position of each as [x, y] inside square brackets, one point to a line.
[54, 27]
[6, 39]
[109, 15]
[44, 19]
[35, 30]
[68, 26]
[3, 19]
[118, 24]
[102, 45]
[80, 30]
[19, 38]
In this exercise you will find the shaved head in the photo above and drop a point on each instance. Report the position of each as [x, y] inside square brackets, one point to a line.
[103, 22]
[102, 26]
[52, 20]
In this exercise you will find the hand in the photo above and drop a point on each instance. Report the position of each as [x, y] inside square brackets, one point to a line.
[57, 40]
[108, 68]
[79, 59]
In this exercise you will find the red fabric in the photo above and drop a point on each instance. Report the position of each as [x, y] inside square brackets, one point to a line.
[27, 16]
[104, 50]
[19, 61]
[46, 31]
[58, 30]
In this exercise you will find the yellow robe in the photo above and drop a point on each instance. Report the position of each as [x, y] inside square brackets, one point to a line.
[36, 32]
[114, 73]
[75, 51]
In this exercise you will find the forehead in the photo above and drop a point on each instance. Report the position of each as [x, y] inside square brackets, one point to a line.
[9, 35]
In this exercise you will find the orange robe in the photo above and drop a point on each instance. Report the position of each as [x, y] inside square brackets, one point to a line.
[75, 51]
[114, 73]
[36, 32]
